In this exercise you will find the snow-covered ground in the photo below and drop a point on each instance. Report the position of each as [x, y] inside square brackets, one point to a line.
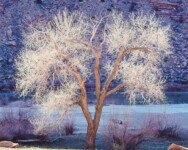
[176, 113]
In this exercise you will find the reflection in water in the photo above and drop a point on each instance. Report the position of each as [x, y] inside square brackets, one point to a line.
[121, 99]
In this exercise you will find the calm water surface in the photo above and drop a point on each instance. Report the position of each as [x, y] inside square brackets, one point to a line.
[121, 99]
[117, 98]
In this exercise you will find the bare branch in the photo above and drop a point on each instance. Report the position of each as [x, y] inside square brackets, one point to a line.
[116, 89]
[144, 49]
[97, 76]
[104, 37]
[95, 27]
[115, 70]
[118, 60]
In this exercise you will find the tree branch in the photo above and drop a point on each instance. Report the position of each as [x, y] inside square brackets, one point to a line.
[77, 100]
[97, 76]
[83, 98]
[71, 69]
[116, 89]
[116, 66]
[87, 45]
[84, 106]
[95, 28]
[117, 63]
[138, 49]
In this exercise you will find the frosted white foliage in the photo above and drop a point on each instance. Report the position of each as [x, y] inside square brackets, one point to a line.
[143, 82]
[48, 121]
[143, 79]
[33, 68]
[61, 98]
[146, 42]
[64, 30]
[51, 51]
[54, 107]
[118, 32]
[147, 31]
[139, 30]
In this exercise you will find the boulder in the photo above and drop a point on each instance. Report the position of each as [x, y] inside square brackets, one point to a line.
[11, 43]
[176, 147]
[168, 6]
[9, 144]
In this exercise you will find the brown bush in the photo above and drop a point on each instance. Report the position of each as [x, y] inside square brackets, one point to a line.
[14, 125]
[118, 133]
[158, 125]
[69, 126]
[119, 136]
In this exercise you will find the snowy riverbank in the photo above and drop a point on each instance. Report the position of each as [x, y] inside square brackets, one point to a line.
[176, 113]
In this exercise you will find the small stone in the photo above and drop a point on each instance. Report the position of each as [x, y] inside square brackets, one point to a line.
[9, 60]
[38, 1]
[175, 1]
[2, 76]
[163, 5]
[1, 8]
[28, 18]
[184, 64]
[11, 43]
[1, 58]
[9, 33]
[178, 18]
[109, 9]
[12, 84]
[1, 24]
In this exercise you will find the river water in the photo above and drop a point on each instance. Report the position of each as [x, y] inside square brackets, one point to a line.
[116, 99]
[121, 99]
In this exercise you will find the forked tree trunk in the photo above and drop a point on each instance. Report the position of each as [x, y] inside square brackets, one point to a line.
[90, 138]
[92, 132]
[100, 96]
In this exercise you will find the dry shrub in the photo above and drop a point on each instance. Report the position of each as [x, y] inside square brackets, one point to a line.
[119, 135]
[4, 101]
[170, 131]
[14, 125]
[69, 125]
[159, 125]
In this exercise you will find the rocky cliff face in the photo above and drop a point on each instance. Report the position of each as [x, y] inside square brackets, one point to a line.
[15, 15]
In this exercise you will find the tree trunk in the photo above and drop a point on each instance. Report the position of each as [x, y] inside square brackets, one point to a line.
[90, 138]
[92, 132]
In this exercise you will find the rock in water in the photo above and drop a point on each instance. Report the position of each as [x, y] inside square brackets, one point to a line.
[9, 144]
[176, 147]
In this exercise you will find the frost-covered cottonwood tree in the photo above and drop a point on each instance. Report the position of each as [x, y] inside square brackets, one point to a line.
[57, 59]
